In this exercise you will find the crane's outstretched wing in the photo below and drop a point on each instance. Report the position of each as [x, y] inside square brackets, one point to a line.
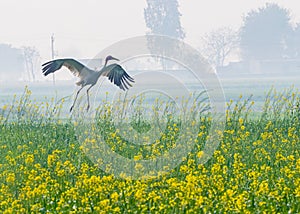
[74, 66]
[117, 75]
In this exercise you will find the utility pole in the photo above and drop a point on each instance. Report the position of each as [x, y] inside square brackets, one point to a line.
[52, 54]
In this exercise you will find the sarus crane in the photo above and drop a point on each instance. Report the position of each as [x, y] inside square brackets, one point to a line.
[115, 73]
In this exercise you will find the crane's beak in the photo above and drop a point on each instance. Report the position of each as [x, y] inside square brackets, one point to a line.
[113, 58]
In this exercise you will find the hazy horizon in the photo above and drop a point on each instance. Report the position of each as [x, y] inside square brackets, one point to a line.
[81, 30]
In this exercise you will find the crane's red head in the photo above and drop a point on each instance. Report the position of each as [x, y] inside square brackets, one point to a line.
[109, 57]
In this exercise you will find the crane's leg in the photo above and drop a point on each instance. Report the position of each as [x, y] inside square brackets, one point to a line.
[88, 97]
[75, 98]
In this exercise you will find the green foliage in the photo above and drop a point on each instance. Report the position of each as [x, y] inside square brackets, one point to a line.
[163, 18]
[256, 169]
[264, 33]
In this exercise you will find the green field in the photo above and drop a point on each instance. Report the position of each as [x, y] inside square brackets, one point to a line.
[46, 164]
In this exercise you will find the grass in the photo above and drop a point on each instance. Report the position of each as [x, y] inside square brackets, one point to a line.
[47, 164]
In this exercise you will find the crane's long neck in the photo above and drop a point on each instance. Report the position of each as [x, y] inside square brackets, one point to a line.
[101, 70]
[106, 61]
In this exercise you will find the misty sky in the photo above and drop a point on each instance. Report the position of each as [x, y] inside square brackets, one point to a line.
[83, 28]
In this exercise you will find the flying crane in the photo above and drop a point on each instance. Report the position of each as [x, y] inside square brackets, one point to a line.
[115, 73]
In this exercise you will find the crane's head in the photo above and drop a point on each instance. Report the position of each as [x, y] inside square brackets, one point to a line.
[109, 57]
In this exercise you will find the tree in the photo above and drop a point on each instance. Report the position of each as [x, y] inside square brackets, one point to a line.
[296, 44]
[219, 44]
[263, 35]
[293, 43]
[31, 56]
[11, 63]
[162, 17]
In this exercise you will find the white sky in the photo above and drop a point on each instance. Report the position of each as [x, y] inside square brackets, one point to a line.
[84, 28]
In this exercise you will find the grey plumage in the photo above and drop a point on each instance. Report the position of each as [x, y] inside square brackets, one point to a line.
[115, 73]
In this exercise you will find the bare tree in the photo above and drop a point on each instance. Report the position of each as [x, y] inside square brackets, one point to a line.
[218, 44]
[31, 56]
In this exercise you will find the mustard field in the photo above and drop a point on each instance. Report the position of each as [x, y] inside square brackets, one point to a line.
[45, 166]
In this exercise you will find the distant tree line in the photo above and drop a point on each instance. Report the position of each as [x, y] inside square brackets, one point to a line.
[266, 34]
[18, 63]
[11, 63]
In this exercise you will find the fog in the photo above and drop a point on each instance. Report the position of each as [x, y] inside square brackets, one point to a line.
[82, 30]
